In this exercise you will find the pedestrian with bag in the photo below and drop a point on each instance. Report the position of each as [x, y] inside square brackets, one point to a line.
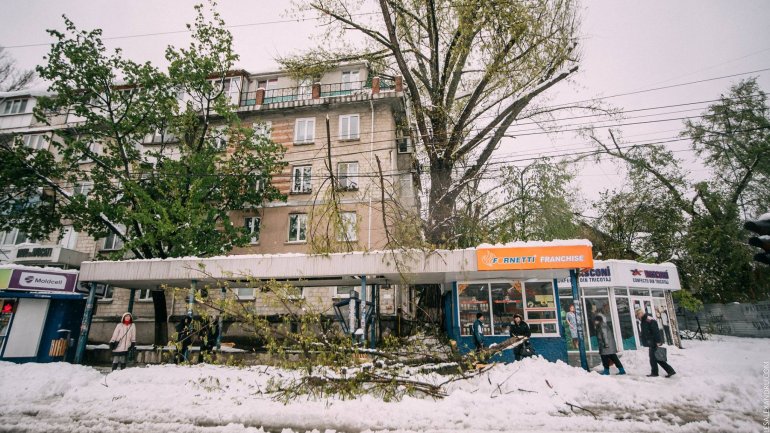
[123, 339]
[608, 350]
[652, 338]
[520, 328]
[478, 332]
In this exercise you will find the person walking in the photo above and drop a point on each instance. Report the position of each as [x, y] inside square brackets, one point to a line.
[608, 350]
[478, 332]
[519, 328]
[572, 322]
[651, 337]
[123, 339]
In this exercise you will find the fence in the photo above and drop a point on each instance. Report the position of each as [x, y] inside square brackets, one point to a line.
[740, 320]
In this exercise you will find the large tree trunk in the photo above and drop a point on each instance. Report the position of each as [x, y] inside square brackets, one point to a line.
[440, 229]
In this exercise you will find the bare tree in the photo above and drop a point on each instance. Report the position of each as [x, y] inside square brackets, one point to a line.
[12, 78]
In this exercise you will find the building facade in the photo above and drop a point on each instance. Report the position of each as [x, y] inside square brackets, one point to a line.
[367, 150]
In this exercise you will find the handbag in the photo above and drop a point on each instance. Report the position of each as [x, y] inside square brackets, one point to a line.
[660, 354]
[113, 345]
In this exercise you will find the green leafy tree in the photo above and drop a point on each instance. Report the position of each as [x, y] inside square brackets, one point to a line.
[157, 173]
[471, 69]
[732, 138]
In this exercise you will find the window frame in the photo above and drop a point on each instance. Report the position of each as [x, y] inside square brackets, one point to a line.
[350, 182]
[41, 141]
[305, 186]
[144, 295]
[15, 106]
[115, 240]
[351, 228]
[247, 297]
[309, 132]
[349, 84]
[263, 129]
[248, 222]
[301, 220]
[346, 132]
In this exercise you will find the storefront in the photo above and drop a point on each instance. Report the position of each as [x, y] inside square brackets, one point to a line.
[614, 289]
[41, 314]
[530, 291]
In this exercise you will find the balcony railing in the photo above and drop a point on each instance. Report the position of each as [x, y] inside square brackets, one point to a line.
[300, 93]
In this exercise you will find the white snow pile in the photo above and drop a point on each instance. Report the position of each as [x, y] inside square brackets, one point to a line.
[718, 388]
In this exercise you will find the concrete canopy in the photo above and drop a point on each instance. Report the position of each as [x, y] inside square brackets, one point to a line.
[343, 269]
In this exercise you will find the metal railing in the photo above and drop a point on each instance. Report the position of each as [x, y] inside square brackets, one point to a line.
[299, 93]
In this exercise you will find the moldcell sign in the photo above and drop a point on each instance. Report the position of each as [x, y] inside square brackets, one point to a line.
[26, 279]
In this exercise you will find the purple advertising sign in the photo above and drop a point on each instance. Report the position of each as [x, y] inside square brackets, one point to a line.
[24, 279]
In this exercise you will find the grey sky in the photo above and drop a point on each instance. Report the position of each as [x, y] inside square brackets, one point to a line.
[627, 46]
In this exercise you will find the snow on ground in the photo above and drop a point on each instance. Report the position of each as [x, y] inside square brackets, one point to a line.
[718, 388]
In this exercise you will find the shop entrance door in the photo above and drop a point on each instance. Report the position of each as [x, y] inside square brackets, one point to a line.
[646, 305]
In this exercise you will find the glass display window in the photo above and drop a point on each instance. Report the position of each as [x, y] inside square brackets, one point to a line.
[473, 298]
[540, 310]
[626, 322]
[597, 307]
[506, 301]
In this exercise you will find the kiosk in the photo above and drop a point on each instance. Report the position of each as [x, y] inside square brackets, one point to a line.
[40, 315]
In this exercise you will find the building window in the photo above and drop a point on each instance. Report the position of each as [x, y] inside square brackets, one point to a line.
[113, 242]
[305, 89]
[82, 188]
[36, 142]
[93, 148]
[540, 312]
[13, 237]
[349, 127]
[347, 176]
[106, 289]
[220, 138]
[145, 295]
[304, 130]
[343, 291]
[351, 80]
[244, 293]
[298, 227]
[252, 226]
[301, 179]
[404, 145]
[263, 129]
[15, 106]
[348, 230]
[69, 237]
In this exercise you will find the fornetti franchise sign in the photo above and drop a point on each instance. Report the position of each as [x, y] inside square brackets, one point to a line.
[543, 257]
[25, 279]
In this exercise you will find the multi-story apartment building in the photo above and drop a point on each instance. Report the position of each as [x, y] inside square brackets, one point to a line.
[366, 119]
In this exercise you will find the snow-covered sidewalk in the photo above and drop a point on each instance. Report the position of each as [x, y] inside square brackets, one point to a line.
[718, 388]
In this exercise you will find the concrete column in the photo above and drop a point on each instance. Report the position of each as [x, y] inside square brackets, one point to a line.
[316, 91]
[375, 85]
[260, 97]
[399, 84]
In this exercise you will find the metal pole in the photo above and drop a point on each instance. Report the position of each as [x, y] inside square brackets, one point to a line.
[131, 301]
[85, 324]
[219, 322]
[191, 298]
[375, 315]
[573, 278]
[362, 318]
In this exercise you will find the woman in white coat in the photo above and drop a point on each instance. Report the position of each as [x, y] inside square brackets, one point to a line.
[123, 339]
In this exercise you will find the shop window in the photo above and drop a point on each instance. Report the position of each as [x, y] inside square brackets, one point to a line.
[626, 322]
[540, 312]
[660, 313]
[506, 301]
[594, 292]
[657, 294]
[638, 292]
[599, 306]
[621, 292]
[473, 299]
[569, 321]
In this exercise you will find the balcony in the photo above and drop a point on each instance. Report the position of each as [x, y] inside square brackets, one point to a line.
[318, 91]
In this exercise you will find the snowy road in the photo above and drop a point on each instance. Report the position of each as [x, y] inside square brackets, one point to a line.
[719, 388]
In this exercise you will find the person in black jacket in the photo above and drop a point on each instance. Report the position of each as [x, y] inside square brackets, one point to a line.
[478, 332]
[652, 338]
[519, 328]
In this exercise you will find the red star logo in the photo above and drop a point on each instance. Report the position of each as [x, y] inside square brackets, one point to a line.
[636, 272]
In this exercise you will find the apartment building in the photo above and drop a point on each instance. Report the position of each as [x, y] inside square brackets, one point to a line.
[366, 118]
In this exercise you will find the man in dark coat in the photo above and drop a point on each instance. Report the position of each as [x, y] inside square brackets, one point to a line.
[652, 338]
[519, 328]
[478, 332]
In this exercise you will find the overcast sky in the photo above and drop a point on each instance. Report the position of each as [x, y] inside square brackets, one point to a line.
[627, 46]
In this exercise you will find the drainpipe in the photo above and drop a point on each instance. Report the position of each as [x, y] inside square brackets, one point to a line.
[191, 298]
[85, 324]
[219, 322]
[371, 152]
[362, 318]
